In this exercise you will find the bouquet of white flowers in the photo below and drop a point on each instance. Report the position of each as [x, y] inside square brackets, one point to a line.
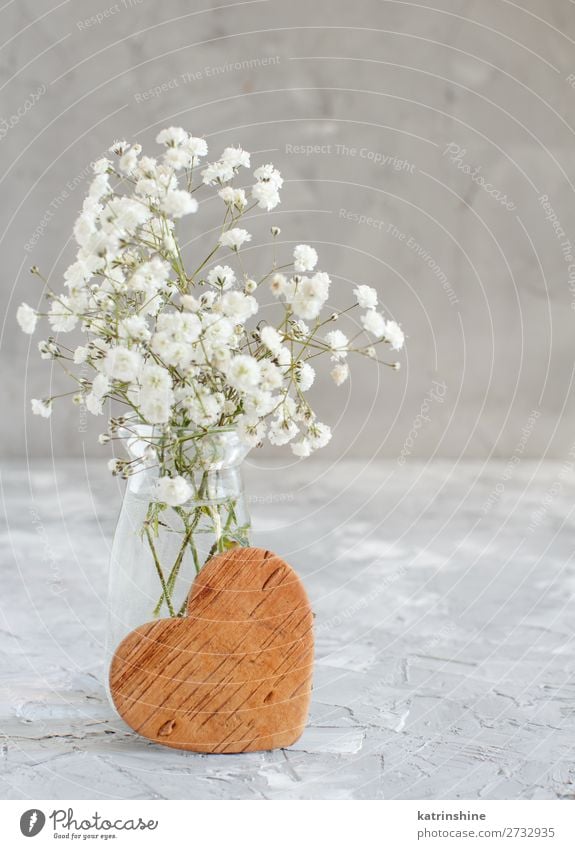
[179, 349]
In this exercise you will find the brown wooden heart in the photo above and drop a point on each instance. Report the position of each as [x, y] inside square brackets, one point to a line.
[235, 674]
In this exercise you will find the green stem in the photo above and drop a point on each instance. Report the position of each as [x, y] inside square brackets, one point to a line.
[159, 571]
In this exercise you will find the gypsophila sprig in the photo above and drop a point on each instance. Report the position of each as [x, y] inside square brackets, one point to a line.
[184, 349]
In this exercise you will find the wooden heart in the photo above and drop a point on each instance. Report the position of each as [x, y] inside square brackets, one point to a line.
[235, 674]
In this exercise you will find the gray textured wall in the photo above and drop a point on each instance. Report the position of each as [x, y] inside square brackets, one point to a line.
[488, 306]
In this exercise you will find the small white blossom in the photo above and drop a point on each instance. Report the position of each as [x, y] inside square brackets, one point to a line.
[172, 136]
[48, 350]
[305, 258]
[394, 335]
[235, 157]
[60, 316]
[122, 363]
[278, 284]
[178, 203]
[234, 238]
[319, 435]
[250, 431]
[233, 197]
[172, 491]
[41, 408]
[302, 448]
[244, 372]
[100, 386]
[266, 195]
[100, 166]
[305, 376]
[27, 318]
[340, 373]
[338, 344]
[269, 174]
[81, 354]
[374, 323]
[94, 405]
[238, 307]
[134, 328]
[366, 297]
[222, 276]
[282, 431]
[217, 172]
[271, 339]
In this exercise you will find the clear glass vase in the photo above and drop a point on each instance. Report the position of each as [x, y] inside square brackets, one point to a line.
[158, 550]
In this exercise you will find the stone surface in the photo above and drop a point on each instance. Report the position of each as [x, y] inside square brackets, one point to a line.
[445, 660]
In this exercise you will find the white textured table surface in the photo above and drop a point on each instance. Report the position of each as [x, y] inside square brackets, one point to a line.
[445, 652]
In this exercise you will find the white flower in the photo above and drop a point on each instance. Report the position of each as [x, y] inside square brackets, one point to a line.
[176, 158]
[283, 356]
[94, 405]
[48, 350]
[271, 339]
[155, 378]
[178, 203]
[319, 435]
[150, 276]
[272, 376]
[172, 491]
[60, 316]
[269, 174]
[250, 431]
[27, 318]
[172, 136]
[221, 275]
[196, 147]
[338, 343]
[235, 157]
[234, 238]
[302, 448]
[305, 376]
[374, 323]
[250, 286]
[41, 408]
[129, 161]
[81, 354]
[310, 295]
[394, 335]
[244, 372]
[281, 431]
[259, 404]
[122, 363]
[100, 166]
[217, 172]
[114, 465]
[100, 386]
[266, 195]
[366, 297]
[305, 258]
[204, 409]
[340, 373]
[135, 327]
[278, 284]
[233, 197]
[238, 307]
[123, 215]
[156, 408]
[99, 186]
